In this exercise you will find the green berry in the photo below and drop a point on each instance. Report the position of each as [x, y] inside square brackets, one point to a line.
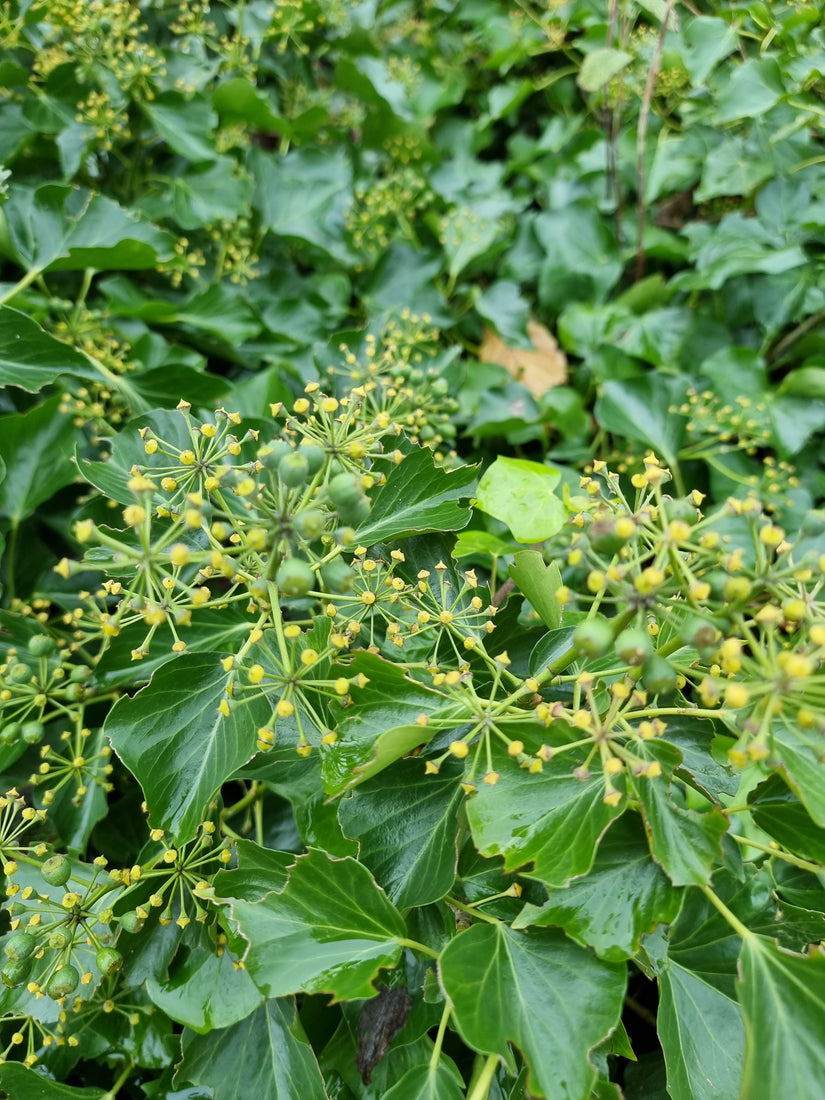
[337, 576]
[603, 537]
[19, 946]
[683, 508]
[16, 971]
[315, 456]
[659, 676]
[345, 490]
[699, 633]
[634, 646]
[271, 454]
[309, 524]
[56, 870]
[294, 577]
[80, 674]
[131, 922]
[32, 732]
[293, 470]
[59, 939]
[593, 637]
[64, 981]
[354, 514]
[344, 536]
[108, 960]
[41, 645]
[10, 733]
[18, 672]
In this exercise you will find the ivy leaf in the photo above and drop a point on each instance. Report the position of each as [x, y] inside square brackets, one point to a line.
[783, 1001]
[267, 1054]
[32, 359]
[778, 811]
[639, 408]
[16, 1080]
[37, 448]
[539, 583]
[600, 66]
[625, 895]
[551, 819]
[439, 1082]
[552, 998]
[799, 753]
[522, 494]
[418, 496]
[406, 824]
[684, 842]
[174, 740]
[330, 930]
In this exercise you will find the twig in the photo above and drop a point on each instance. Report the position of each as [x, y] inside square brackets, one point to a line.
[641, 141]
[796, 334]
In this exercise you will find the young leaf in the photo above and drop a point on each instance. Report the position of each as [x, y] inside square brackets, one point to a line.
[522, 495]
[330, 930]
[551, 998]
[539, 583]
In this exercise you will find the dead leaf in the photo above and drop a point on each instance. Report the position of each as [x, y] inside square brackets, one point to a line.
[538, 370]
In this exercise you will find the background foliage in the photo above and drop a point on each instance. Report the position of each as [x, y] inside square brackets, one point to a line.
[291, 721]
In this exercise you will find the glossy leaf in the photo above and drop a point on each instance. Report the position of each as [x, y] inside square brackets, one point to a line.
[539, 583]
[551, 819]
[641, 409]
[418, 496]
[31, 358]
[21, 1082]
[783, 1003]
[551, 998]
[330, 930]
[625, 895]
[406, 825]
[37, 448]
[439, 1082]
[778, 811]
[178, 745]
[267, 1055]
[522, 495]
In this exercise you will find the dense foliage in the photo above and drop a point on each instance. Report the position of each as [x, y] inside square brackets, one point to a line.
[393, 701]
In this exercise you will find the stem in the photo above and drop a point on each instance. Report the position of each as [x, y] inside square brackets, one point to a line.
[739, 928]
[11, 553]
[481, 1088]
[450, 900]
[119, 1083]
[422, 947]
[641, 142]
[439, 1039]
[805, 864]
[27, 280]
[796, 334]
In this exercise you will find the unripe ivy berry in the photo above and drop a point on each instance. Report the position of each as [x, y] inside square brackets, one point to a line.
[108, 960]
[10, 733]
[634, 646]
[604, 538]
[32, 732]
[315, 456]
[16, 971]
[131, 922]
[56, 870]
[344, 536]
[593, 637]
[272, 454]
[659, 676]
[293, 470]
[41, 645]
[345, 490]
[355, 513]
[294, 577]
[19, 946]
[80, 674]
[309, 524]
[337, 576]
[64, 981]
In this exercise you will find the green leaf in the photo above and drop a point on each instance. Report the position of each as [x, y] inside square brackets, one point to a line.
[778, 811]
[783, 1002]
[684, 842]
[600, 66]
[266, 1055]
[418, 496]
[203, 990]
[304, 195]
[539, 583]
[178, 745]
[798, 752]
[702, 1036]
[640, 408]
[32, 359]
[37, 448]
[582, 261]
[439, 1082]
[469, 231]
[330, 930]
[184, 123]
[551, 818]
[20, 1083]
[406, 823]
[751, 90]
[380, 725]
[552, 998]
[624, 895]
[709, 40]
[522, 494]
[259, 871]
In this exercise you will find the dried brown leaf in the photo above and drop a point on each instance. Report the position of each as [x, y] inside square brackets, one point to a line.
[538, 369]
